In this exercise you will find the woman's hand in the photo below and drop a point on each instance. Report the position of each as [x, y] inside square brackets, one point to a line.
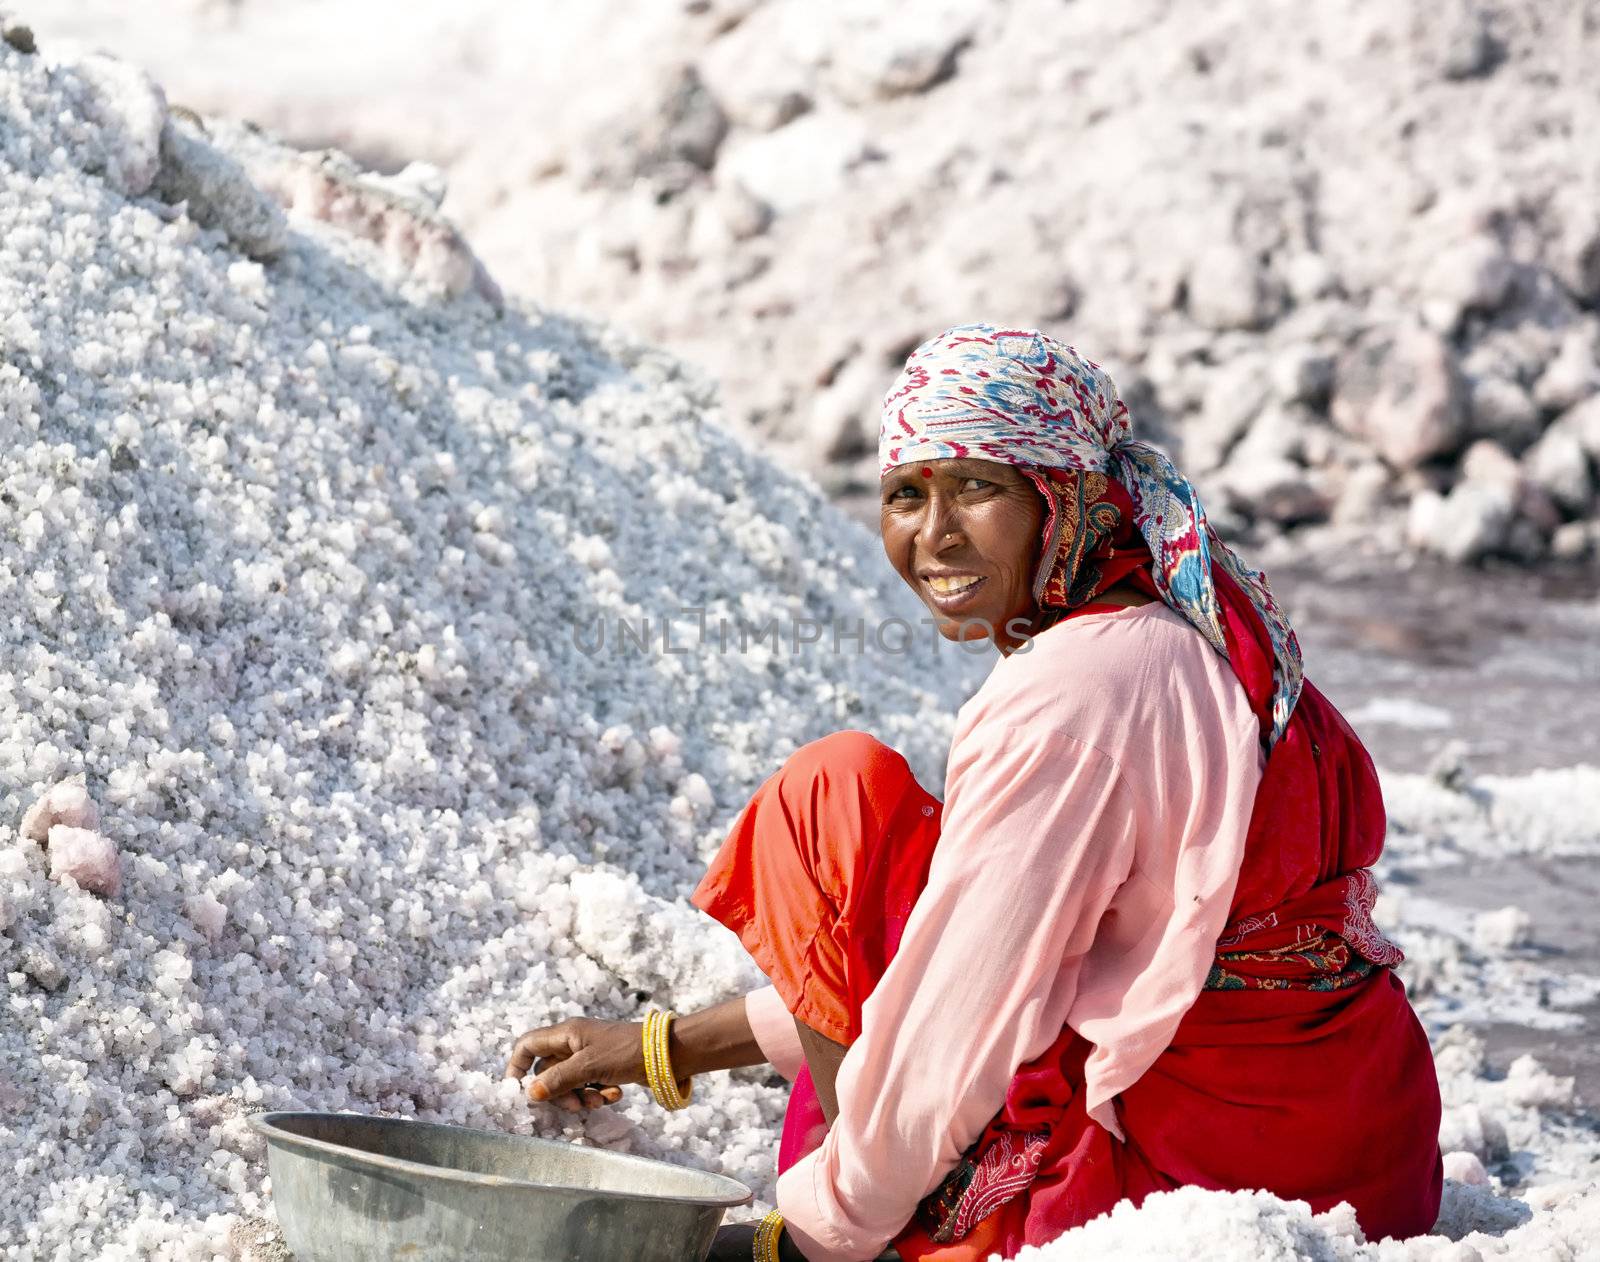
[579, 1064]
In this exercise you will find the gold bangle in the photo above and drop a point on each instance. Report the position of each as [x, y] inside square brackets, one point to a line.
[650, 1052]
[676, 1091]
[657, 1061]
[652, 1066]
[670, 1093]
[767, 1233]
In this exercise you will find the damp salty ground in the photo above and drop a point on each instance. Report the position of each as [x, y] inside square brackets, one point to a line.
[1445, 670]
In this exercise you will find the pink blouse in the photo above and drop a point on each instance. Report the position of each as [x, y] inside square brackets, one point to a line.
[1098, 792]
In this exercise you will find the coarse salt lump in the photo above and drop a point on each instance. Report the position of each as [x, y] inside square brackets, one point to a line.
[88, 857]
[664, 742]
[1465, 1167]
[698, 792]
[67, 803]
[171, 970]
[1502, 929]
[248, 278]
[207, 914]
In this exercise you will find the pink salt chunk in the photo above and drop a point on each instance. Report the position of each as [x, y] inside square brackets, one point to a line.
[1464, 1167]
[88, 857]
[66, 803]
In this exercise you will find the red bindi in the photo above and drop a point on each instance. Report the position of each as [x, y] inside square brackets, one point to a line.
[927, 472]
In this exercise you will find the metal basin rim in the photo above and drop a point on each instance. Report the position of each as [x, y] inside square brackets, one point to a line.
[266, 1124]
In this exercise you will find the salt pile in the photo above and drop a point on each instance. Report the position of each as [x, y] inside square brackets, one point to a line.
[310, 540]
[1347, 256]
[308, 563]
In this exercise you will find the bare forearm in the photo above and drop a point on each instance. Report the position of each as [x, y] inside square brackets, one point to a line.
[714, 1038]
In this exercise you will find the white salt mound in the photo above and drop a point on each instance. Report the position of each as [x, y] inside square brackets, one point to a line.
[1189, 1225]
[309, 549]
[302, 549]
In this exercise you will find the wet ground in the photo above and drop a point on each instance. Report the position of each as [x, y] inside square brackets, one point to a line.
[1505, 662]
[1562, 896]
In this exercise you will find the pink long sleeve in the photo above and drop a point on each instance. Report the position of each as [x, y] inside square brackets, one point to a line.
[774, 1031]
[1071, 885]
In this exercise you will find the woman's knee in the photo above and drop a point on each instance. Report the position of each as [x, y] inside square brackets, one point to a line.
[848, 753]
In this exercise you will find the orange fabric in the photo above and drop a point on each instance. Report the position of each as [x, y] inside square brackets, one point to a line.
[988, 1237]
[820, 871]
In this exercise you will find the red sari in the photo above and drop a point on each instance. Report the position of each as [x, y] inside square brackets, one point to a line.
[1301, 1069]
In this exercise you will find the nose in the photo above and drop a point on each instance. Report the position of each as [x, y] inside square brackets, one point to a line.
[941, 520]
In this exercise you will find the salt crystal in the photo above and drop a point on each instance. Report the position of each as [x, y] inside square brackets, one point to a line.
[66, 803]
[1464, 1167]
[207, 914]
[88, 857]
[1503, 929]
[13, 863]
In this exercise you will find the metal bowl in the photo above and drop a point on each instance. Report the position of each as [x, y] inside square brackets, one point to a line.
[350, 1188]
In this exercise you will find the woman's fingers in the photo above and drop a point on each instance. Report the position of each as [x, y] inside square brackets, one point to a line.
[561, 1078]
[569, 1064]
[556, 1041]
[597, 1097]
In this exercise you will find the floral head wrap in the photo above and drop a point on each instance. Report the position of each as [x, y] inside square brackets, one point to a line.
[1019, 397]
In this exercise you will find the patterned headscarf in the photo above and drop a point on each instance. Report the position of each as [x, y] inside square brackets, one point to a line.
[1019, 397]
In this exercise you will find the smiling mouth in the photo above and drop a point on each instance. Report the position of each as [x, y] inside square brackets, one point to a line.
[950, 594]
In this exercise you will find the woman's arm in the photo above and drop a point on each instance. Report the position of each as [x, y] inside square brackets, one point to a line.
[774, 1029]
[1038, 834]
[568, 1056]
[715, 1038]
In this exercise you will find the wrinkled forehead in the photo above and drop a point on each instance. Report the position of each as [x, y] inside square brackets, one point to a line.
[951, 467]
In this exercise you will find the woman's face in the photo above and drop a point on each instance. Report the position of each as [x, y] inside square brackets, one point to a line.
[964, 534]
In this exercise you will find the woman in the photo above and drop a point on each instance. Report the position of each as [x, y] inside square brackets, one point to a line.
[1133, 948]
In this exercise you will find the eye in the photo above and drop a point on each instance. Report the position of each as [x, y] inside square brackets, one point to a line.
[976, 484]
[902, 493]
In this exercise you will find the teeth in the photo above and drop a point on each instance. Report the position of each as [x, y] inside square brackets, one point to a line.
[949, 586]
